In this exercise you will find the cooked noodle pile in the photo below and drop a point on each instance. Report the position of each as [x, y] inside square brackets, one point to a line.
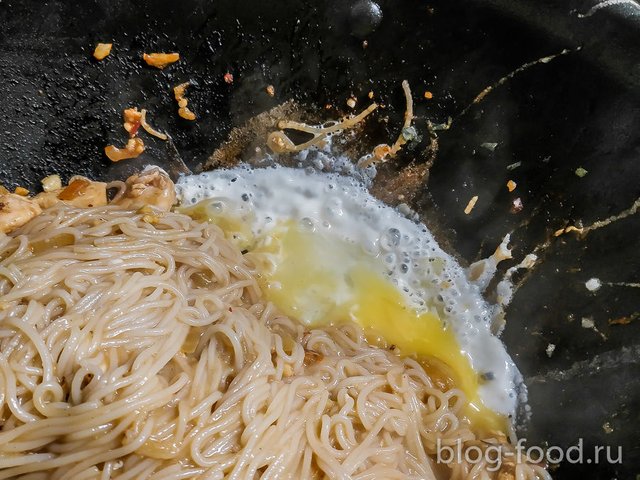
[135, 345]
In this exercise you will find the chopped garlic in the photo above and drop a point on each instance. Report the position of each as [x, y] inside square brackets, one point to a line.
[160, 60]
[470, 206]
[102, 51]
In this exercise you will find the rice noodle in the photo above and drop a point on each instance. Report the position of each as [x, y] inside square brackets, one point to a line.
[148, 128]
[118, 361]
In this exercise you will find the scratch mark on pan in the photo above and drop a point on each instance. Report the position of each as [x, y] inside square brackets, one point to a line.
[613, 359]
[481, 96]
[608, 3]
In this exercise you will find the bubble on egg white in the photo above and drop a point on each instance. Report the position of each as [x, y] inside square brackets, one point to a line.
[429, 278]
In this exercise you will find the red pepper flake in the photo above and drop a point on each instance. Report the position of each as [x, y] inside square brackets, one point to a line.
[228, 77]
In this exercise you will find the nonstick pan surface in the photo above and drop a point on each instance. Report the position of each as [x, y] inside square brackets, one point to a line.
[60, 107]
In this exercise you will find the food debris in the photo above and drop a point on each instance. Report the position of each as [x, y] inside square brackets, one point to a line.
[370, 95]
[513, 166]
[623, 320]
[606, 426]
[568, 229]
[271, 91]
[511, 185]
[102, 51]
[380, 152]
[160, 60]
[132, 119]
[365, 44]
[470, 206]
[589, 324]
[516, 205]
[351, 102]
[133, 149]
[183, 110]
[593, 284]
[428, 95]
[50, 183]
[550, 349]
[491, 146]
[149, 129]
[23, 192]
[228, 78]
[581, 172]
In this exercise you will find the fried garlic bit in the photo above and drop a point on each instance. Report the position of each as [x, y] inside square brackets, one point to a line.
[151, 187]
[102, 51]
[183, 110]
[133, 149]
[160, 60]
[15, 211]
[132, 119]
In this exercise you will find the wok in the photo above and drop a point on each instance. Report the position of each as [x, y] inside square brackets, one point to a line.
[581, 109]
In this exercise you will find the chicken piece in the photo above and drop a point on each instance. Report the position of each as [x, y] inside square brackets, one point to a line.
[15, 211]
[81, 192]
[150, 187]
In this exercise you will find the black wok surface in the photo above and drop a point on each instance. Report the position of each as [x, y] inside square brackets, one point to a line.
[60, 108]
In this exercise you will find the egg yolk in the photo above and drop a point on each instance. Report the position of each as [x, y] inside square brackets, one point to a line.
[320, 279]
